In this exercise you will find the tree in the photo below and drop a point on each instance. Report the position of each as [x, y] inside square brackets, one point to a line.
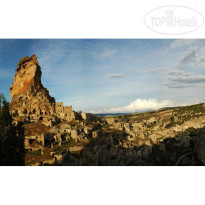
[12, 150]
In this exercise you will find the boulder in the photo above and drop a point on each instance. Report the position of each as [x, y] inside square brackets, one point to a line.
[49, 161]
[75, 148]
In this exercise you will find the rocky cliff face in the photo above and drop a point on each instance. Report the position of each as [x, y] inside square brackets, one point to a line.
[27, 92]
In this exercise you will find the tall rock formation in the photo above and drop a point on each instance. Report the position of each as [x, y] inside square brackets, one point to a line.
[28, 96]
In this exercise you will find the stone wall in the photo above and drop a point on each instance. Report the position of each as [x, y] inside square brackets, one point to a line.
[59, 107]
[67, 109]
[89, 117]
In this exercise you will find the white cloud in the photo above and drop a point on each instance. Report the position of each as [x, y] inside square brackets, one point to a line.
[138, 105]
[195, 51]
[190, 57]
[157, 70]
[182, 79]
[116, 75]
[202, 59]
[108, 53]
[183, 42]
[179, 78]
[167, 71]
[189, 79]
[177, 85]
[176, 72]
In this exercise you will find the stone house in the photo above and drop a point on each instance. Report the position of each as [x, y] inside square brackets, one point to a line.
[64, 112]
[110, 120]
[59, 107]
[89, 117]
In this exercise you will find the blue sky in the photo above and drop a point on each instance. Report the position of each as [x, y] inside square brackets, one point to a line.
[110, 75]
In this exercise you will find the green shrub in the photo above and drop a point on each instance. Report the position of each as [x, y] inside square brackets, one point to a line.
[191, 131]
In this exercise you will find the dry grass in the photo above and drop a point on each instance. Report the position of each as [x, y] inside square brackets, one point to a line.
[35, 128]
[34, 157]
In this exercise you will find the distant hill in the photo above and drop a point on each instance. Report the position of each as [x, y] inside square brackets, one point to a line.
[119, 114]
[110, 114]
[166, 108]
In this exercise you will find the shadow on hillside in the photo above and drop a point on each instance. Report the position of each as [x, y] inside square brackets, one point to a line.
[185, 149]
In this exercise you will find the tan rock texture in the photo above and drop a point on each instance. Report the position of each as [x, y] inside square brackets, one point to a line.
[27, 91]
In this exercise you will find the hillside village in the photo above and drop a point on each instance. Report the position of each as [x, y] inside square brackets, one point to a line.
[57, 135]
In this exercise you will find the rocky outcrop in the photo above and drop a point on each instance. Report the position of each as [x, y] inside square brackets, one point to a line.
[27, 92]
